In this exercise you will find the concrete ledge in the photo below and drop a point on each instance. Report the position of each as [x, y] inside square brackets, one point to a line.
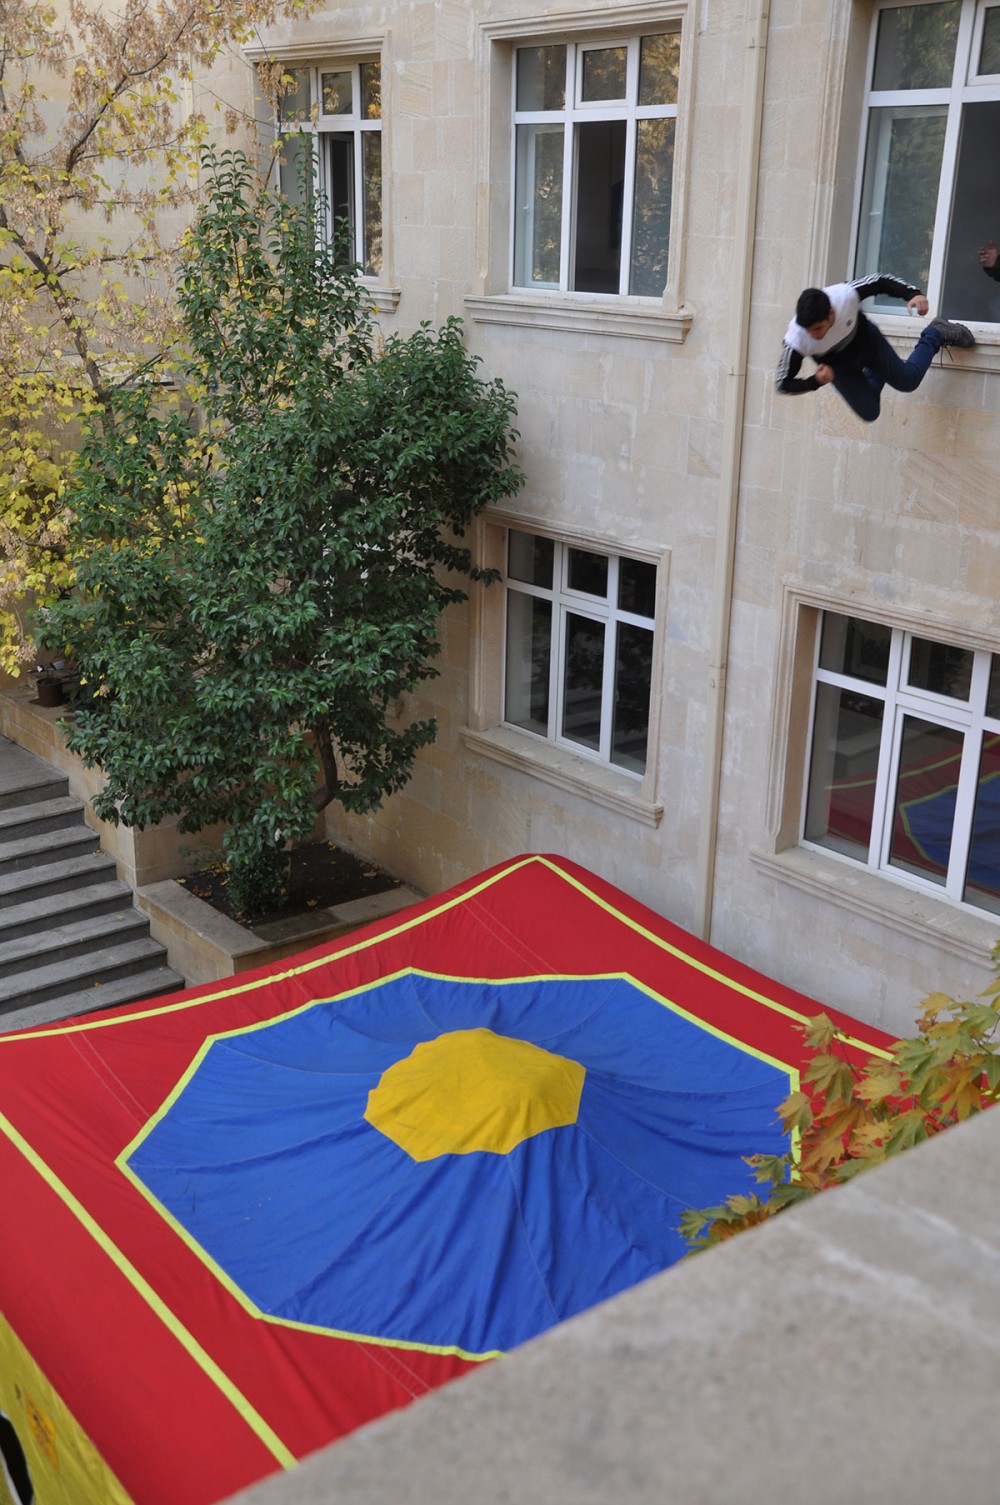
[850, 1350]
[204, 945]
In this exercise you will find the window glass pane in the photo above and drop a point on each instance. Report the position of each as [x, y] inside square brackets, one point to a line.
[982, 882]
[371, 160]
[588, 572]
[295, 100]
[583, 680]
[851, 646]
[993, 694]
[529, 636]
[654, 178]
[600, 183]
[940, 668]
[530, 558]
[916, 46]
[924, 802]
[633, 675]
[337, 93]
[989, 56]
[538, 190]
[371, 91]
[541, 78]
[847, 737]
[604, 74]
[975, 211]
[340, 159]
[295, 166]
[899, 196]
[659, 68]
[637, 587]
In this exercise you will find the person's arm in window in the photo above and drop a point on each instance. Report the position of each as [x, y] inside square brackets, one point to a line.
[989, 260]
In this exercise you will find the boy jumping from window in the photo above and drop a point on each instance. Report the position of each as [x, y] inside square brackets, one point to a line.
[851, 351]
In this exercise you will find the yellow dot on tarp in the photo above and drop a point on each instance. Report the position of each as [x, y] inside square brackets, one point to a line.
[473, 1090]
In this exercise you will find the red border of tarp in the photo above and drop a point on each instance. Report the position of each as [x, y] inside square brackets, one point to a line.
[184, 1393]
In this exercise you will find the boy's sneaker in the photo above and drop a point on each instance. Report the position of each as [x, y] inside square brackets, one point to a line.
[952, 334]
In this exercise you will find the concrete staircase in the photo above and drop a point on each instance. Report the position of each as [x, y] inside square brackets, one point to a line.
[71, 939]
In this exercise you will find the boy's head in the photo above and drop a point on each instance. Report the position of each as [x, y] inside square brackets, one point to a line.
[814, 312]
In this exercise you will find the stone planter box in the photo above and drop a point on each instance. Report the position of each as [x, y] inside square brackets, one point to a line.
[206, 946]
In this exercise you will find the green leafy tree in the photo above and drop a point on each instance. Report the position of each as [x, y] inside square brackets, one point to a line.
[263, 560]
[850, 1117]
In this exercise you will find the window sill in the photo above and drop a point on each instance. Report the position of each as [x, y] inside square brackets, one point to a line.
[921, 917]
[983, 356]
[628, 320]
[565, 770]
[385, 299]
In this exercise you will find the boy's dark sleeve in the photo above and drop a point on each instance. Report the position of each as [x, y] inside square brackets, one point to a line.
[787, 377]
[881, 285]
[994, 270]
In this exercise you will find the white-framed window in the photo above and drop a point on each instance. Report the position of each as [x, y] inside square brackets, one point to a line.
[333, 113]
[904, 773]
[579, 647]
[928, 181]
[594, 131]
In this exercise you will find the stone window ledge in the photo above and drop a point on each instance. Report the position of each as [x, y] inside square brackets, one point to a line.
[557, 311]
[873, 896]
[564, 770]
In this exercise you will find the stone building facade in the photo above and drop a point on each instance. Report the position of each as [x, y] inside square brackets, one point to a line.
[623, 201]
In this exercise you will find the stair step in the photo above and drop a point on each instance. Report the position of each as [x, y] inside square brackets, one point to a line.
[50, 846]
[27, 884]
[74, 939]
[61, 978]
[27, 791]
[41, 815]
[133, 989]
[62, 907]
[25, 778]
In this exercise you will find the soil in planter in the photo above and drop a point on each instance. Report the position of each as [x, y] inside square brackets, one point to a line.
[322, 876]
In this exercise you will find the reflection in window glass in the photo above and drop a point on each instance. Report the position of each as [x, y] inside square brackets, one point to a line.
[604, 73]
[541, 78]
[633, 681]
[295, 167]
[583, 682]
[588, 573]
[538, 192]
[847, 738]
[916, 46]
[982, 883]
[899, 200]
[659, 68]
[371, 91]
[337, 94]
[371, 156]
[296, 99]
[529, 637]
[637, 587]
[851, 646]
[654, 181]
[989, 56]
[993, 695]
[924, 804]
[529, 557]
[940, 668]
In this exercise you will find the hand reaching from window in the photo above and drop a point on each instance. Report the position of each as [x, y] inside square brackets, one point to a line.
[988, 255]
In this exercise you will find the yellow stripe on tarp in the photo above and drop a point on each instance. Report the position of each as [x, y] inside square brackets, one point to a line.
[212, 1371]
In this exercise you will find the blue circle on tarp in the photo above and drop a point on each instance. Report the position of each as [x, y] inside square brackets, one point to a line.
[265, 1158]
